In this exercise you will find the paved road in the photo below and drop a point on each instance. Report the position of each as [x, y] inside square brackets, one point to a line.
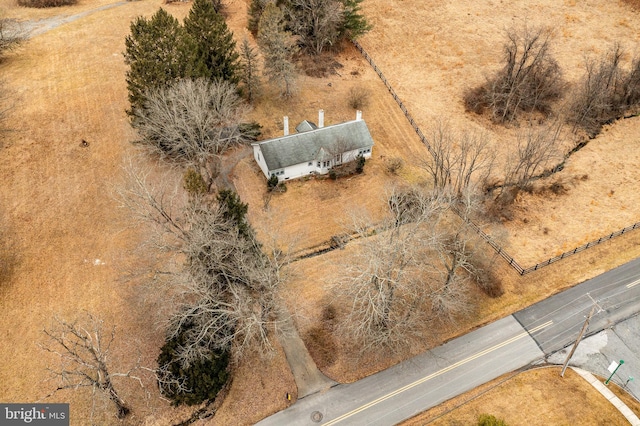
[597, 352]
[617, 292]
[429, 379]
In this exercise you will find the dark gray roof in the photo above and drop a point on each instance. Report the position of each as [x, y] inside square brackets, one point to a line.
[315, 145]
[305, 126]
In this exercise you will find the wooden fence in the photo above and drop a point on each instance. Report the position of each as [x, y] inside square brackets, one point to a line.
[395, 97]
[512, 262]
[581, 248]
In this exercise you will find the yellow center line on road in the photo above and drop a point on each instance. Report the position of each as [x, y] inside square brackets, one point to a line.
[436, 374]
[633, 284]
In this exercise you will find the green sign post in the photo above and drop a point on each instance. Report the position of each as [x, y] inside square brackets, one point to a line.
[614, 372]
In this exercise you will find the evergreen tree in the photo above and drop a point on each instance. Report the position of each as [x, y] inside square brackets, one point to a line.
[214, 48]
[255, 12]
[355, 23]
[235, 210]
[197, 382]
[249, 67]
[278, 47]
[156, 53]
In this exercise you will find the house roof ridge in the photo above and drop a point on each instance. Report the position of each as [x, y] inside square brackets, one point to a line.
[297, 148]
[292, 135]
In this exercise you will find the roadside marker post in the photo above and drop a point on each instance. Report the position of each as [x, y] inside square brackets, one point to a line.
[630, 379]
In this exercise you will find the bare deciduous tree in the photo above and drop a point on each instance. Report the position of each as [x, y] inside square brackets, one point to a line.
[192, 123]
[317, 23]
[381, 289]
[531, 79]
[278, 47]
[411, 272]
[605, 93]
[83, 348]
[225, 293]
[459, 162]
[536, 150]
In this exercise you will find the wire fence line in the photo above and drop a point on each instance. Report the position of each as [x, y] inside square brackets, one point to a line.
[510, 260]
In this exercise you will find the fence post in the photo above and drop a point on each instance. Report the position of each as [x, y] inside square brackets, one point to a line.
[424, 140]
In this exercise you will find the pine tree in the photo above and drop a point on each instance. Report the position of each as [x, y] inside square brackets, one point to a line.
[235, 210]
[215, 56]
[355, 23]
[278, 48]
[254, 13]
[156, 54]
[249, 67]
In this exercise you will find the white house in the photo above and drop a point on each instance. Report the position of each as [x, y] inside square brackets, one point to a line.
[313, 149]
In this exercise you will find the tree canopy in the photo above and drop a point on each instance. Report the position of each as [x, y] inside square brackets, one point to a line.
[156, 55]
[278, 47]
[317, 24]
[214, 54]
[160, 51]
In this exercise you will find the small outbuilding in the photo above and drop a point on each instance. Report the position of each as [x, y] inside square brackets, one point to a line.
[313, 149]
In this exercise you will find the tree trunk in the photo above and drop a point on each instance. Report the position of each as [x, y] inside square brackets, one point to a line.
[122, 409]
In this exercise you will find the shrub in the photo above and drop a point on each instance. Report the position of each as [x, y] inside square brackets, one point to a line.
[200, 381]
[358, 97]
[394, 164]
[46, 3]
[11, 36]
[339, 241]
[332, 174]
[490, 420]
[272, 183]
[194, 183]
[605, 93]
[360, 164]
[530, 80]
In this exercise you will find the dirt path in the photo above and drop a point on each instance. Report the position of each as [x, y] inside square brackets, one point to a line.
[33, 28]
[225, 178]
[309, 379]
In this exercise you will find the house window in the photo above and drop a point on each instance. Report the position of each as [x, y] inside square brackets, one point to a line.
[310, 163]
[318, 164]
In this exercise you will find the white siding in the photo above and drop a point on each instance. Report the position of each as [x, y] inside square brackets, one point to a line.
[304, 169]
[257, 155]
[298, 170]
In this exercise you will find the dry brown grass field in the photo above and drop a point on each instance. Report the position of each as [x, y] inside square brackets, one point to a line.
[535, 397]
[70, 243]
